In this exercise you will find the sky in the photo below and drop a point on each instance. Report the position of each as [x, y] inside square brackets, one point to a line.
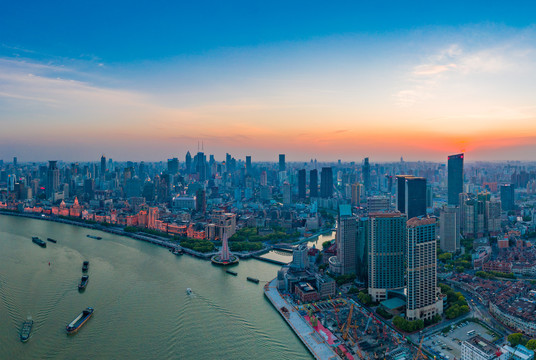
[345, 80]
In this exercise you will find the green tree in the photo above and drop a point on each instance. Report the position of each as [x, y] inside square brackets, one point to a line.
[326, 244]
[445, 256]
[515, 339]
[460, 269]
[531, 344]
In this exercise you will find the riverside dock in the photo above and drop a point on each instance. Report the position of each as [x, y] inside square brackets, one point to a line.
[320, 349]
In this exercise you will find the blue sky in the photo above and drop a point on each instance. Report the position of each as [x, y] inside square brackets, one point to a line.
[312, 79]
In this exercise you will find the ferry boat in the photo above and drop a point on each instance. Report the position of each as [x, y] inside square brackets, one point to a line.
[52, 240]
[231, 272]
[39, 242]
[79, 321]
[93, 237]
[256, 281]
[178, 252]
[83, 282]
[189, 291]
[26, 330]
[85, 266]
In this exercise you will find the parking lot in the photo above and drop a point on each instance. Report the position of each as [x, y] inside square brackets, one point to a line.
[448, 346]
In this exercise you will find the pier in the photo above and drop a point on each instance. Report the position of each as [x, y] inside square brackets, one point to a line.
[320, 349]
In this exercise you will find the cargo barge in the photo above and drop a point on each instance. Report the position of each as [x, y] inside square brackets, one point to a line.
[26, 330]
[83, 282]
[256, 281]
[85, 266]
[93, 237]
[52, 240]
[80, 320]
[39, 242]
[231, 272]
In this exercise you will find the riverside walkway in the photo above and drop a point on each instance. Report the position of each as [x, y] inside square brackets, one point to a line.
[320, 349]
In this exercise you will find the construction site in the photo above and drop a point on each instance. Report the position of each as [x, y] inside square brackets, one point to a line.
[356, 333]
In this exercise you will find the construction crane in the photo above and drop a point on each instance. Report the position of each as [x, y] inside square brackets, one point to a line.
[419, 350]
[368, 323]
[358, 348]
[346, 326]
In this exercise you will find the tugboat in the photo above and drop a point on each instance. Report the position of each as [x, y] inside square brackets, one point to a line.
[85, 266]
[39, 242]
[80, 320]
[93, 237]
[83, 282]
[189, 291]
[26, 329]
[52, 240]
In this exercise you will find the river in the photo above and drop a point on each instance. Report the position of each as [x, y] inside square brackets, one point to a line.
[138, 292]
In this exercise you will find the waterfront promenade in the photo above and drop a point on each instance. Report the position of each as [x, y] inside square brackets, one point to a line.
[320, 349]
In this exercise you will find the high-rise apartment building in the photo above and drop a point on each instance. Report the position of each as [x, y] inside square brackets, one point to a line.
[386, 248]
[455, 178]
[282, 163]
[287, 193]
[357, 189]
[248, 164]
[422, 295]
[346, 239]
[313, 183]
[326, 182]
[507, 197]
[366, 175]
[361, 261]
[102, 165]
[302, 184]
[449, 229]
[173, 166]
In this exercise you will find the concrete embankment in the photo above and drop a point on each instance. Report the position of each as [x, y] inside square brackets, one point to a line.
[320, 349]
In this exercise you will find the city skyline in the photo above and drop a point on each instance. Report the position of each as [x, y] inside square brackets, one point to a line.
[338, 83]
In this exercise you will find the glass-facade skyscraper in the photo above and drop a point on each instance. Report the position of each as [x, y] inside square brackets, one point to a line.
[455, 178]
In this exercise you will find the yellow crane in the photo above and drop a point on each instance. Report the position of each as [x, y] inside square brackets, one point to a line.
[346, 326]
[419, 350]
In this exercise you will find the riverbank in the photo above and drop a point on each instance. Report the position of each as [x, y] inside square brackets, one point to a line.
[310, 338]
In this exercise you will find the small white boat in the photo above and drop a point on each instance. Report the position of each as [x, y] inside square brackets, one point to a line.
[189, 291]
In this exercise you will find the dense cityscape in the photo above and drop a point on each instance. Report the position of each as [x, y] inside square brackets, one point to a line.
[421, 250]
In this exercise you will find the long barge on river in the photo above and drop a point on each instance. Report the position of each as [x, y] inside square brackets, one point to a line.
[39, 242]
[79, 321]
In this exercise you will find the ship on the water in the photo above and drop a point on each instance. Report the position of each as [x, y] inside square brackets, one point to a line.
[177, 252]
[256, 281]
[83, 282]
[26, 330]
[39, 242]
[79, 321]
[85, 266]
[93, 237]
[234, 273]
[52, 240]
[189, 291]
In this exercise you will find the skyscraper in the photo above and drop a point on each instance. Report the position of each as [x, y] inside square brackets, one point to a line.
[173, 166]
[455, 178]
[356, 194]
[188, 163]
[287, 193]
[313, 183]
[200, 201]
[301, 184]
[507, 197]
[200, 166]
[415, 194]
[248, 164]
[326, 182]
[386, 248]
[449, 230]
[102, 165]
[366, 175]
[53, 178]
[282, 164]
[401, 192]
[346, 239]
[361, 251]
[422, 299]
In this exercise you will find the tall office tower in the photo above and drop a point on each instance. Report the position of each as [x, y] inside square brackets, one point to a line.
[53, 178]
[301, 184]
[361, 261]
[200, 166]
[282, 164]
[422, 300]
[173, 166]
[366, 175]
[346, 239]
[248, 164]
[429, 196]
[356, 194]
[200, 201]
[102, 165]
[507, 197]
[493, 217]
[401, 192]
[313, 183]
[386, 249]
[455, 178]
[14, 161]
[287, 193]
[300, 257]
[326, 182]
[264, 178]
[449, 228]
[415, 197]
[188, 163]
